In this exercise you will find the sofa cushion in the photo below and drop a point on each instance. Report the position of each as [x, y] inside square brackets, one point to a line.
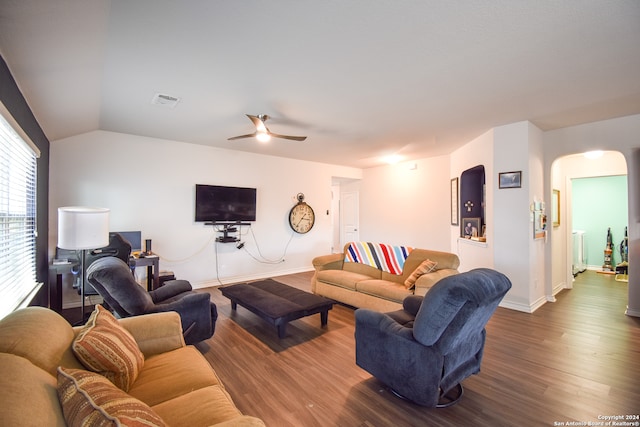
[88, 398]
[359, 268]
[105, 347]
[172, 374]
[205, 407]
[426, 266]
[384, 289]
[342, 278]
[27, 333]
[28, 394]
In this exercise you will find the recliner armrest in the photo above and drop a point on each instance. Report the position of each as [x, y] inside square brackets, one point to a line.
[195, 313]
[412, 303]
[170, 289]
[375, 320]
[155, 333]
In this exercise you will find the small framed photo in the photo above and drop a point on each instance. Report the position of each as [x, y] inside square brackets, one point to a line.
[470, 227]
[510, 179]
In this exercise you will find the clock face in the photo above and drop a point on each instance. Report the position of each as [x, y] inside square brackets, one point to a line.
[301, 218]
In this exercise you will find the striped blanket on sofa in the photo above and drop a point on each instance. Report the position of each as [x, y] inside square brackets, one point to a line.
[384, 257]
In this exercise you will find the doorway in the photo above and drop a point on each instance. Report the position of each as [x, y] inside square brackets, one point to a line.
[345, 202]
[563, 171]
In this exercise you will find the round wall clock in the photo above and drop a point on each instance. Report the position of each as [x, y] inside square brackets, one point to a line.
[301, 216]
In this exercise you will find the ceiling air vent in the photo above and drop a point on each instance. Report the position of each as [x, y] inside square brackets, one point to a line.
[165, 100]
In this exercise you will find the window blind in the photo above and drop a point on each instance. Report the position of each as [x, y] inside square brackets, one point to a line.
[17, 219]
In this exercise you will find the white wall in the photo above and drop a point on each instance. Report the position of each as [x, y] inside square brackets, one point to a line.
[537, 265]
[514, 250]
[149, 185]
[405, 206]
[561, 243]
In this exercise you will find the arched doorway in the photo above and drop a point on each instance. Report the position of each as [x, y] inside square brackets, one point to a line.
[563, 171]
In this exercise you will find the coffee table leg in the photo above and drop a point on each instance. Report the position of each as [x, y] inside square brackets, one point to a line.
[282, 330]
[234, 305]
[324, 316]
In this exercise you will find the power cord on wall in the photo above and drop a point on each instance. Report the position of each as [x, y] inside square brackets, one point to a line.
[239, 245]
[259, 258]
[180, 261]
[263, 259]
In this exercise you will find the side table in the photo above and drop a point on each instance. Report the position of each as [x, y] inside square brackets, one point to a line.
[152, 262]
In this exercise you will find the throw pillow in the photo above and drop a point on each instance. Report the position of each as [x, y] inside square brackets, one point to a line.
[426, 266]
[105, 347]
[89, 399]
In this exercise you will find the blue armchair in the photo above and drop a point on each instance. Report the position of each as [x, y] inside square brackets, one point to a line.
[424, 352]
[113, 280]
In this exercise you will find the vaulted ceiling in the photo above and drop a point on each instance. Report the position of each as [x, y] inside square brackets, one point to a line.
[361, 79]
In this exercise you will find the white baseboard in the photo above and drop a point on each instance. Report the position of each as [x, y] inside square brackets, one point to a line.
[526, 308]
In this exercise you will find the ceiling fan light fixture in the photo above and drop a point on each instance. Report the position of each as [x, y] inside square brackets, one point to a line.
[263, 136]
[262, 133]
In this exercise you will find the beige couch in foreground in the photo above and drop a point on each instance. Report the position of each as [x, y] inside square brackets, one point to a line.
[176, 381]
[364, 286]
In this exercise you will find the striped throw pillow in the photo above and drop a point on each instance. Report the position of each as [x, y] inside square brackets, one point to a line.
[426, 266]
[89, 399]
[105, 347]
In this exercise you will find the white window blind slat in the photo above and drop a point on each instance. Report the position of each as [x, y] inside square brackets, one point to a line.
[17, 219]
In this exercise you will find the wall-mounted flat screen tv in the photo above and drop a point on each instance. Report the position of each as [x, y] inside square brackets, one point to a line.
[216, 203]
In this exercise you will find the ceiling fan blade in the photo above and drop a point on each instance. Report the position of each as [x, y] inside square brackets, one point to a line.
[250, 135]
[258, 122]
[293, 138]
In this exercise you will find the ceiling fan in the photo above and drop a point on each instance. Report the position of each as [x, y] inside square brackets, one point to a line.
[262, 133]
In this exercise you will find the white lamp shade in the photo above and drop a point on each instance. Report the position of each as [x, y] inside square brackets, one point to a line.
[82, 227]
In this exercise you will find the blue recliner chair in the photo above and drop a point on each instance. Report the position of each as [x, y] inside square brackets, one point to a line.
[424, 352]
[113, 280]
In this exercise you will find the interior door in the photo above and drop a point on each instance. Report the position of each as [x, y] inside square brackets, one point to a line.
[349, 217]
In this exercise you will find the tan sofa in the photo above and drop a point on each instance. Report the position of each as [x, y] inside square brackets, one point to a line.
[364, 286]
[176, 381]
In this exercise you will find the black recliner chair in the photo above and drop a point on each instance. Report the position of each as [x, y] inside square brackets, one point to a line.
[424, 352]
[118, 247]
[112, 279]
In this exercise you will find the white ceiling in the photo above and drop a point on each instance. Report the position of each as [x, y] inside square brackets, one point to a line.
[360, 78]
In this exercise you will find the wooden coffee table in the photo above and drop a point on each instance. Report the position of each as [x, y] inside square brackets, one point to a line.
[277, 303]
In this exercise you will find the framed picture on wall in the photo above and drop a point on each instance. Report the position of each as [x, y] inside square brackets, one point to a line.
[510, 179]
[454, 201]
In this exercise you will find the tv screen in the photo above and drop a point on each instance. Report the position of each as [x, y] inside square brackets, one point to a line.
[133, 237]
[216, 203]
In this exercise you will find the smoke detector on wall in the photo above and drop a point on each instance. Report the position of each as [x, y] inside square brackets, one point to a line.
[165, 100]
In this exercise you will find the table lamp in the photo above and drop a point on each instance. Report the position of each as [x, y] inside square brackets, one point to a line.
[81, 228]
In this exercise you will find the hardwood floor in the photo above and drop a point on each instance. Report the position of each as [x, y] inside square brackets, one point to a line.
[572, 360]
